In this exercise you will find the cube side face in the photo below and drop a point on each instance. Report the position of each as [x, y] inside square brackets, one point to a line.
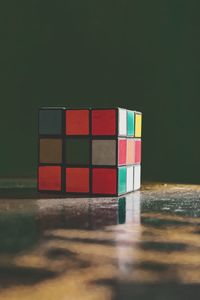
[104, 122]
[122, 210]
[77, 122]
[50, 121]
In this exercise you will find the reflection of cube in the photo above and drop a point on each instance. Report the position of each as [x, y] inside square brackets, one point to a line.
[89, 151]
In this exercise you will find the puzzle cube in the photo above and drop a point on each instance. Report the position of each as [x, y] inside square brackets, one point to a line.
[89, 151]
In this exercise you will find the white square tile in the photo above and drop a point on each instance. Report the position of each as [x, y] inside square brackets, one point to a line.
[122, 122]
[136, 177]
[129, 179]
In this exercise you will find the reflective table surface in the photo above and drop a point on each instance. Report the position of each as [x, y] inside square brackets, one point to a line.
[145, 245]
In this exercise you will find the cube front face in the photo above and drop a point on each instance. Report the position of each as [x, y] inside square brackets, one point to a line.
[89, 151]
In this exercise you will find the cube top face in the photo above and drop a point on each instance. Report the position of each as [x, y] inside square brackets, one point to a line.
[77, 122]
[50, 121]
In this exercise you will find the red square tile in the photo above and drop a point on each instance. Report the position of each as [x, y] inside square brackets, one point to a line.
[77, 122]
[49, 178]
[104, 181]
[104, 122]
[138, 149]
[77, 180]
[122, 152]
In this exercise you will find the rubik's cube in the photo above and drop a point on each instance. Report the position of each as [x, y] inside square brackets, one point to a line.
[89, 151]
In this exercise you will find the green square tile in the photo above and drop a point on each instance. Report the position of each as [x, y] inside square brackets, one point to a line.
[77, 151]
[130, 123]
[122, 180]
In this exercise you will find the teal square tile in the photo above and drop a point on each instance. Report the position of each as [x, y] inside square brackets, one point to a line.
[130, 123]
[122, 173]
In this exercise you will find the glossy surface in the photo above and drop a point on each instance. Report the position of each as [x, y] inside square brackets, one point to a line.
[142, 246]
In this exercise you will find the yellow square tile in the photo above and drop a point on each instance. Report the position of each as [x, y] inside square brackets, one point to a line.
[138, 125]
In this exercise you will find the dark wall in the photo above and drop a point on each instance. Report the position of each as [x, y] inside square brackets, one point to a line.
[141, 55]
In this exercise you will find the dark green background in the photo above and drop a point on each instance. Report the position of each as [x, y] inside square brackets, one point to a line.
[141, 55]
